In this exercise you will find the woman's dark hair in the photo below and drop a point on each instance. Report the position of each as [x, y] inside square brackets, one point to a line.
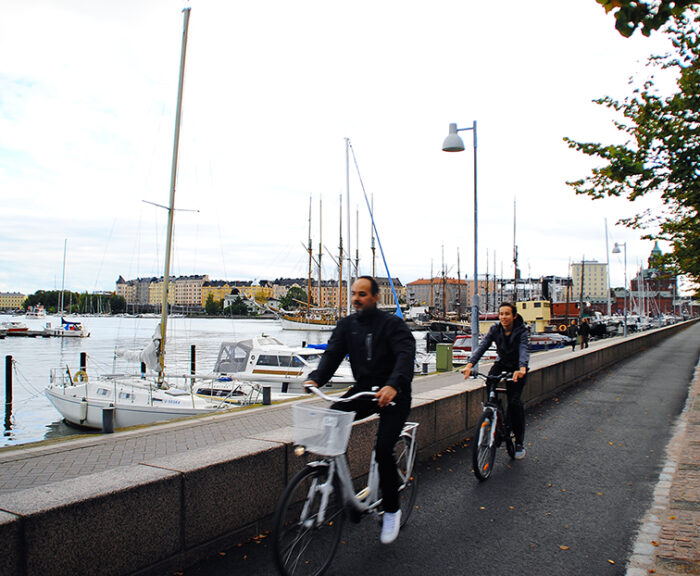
[374, 286]
[513, 307]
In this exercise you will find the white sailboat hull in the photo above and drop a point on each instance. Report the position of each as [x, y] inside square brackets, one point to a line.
[83, 404]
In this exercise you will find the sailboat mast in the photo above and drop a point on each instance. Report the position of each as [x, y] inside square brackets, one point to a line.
[357, 241]
[347, 199]
[309, 250]
[340, 261]
[459, 289]
[371, 228]
[63, 277]
[320, 247]
[171, 204]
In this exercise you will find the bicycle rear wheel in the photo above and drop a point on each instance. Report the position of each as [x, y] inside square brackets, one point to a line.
[484, 450]
[308, 523]
[408, 480]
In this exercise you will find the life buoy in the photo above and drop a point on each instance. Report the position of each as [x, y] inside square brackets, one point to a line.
[81, 376]
[562, 328]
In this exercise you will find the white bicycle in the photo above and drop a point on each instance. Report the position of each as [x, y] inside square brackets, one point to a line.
[309, 516]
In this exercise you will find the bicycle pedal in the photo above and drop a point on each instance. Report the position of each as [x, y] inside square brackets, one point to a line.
[362, 494]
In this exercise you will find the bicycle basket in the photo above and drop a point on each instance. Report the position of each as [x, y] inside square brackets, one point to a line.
[322, 430]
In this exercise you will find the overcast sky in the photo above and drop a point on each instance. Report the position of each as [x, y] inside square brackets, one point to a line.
[272, 89]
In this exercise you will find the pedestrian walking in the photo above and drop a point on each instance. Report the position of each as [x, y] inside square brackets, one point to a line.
[585, 331]
[572, 332]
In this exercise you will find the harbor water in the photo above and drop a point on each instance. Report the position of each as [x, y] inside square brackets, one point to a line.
[33, 418]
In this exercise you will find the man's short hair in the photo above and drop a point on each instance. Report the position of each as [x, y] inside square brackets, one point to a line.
[374, 286]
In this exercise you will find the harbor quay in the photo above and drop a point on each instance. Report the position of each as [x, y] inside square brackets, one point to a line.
[157, 499]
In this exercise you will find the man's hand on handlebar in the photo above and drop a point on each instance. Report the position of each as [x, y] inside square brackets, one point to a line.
[306, 385]
[385, 395]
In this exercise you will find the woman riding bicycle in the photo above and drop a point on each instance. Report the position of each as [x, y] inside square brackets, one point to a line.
[382, 351]
[512, 344]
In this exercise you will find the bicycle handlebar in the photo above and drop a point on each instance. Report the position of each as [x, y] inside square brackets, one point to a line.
[321, 394]
[502, 377]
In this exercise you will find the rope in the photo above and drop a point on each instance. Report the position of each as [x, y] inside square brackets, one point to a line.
[376, 233]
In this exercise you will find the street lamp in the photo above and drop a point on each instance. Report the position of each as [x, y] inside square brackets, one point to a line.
[454, 143]
[616, 250]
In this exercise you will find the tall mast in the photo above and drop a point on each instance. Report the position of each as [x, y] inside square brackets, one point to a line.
[171, 204]
[340, 261]
[357, 241]
[607, 262]
[320, 246]
[63, 277]
[444, 285]
[515, 260]
[459, 289]
[371, 228]
[309, 250]
[347, 199]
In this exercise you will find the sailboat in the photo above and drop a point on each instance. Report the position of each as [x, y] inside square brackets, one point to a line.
[136, 400]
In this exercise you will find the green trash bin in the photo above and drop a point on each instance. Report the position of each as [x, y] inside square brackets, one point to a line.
[443, 357]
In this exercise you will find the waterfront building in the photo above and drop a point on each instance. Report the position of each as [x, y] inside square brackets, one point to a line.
[11, 300]
[590, 281]
[217, 289]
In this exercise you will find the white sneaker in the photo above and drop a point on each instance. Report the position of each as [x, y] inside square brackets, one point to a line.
[390, 527]
[520, 452]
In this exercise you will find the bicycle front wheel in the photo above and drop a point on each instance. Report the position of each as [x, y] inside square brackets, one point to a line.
[484, 450]
[408, 480]
[308, 523]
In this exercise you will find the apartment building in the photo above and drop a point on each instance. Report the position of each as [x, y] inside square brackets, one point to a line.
[11, 300]
[590, 281]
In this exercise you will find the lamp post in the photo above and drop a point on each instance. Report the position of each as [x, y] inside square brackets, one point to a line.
[616, 250]
[453, 143]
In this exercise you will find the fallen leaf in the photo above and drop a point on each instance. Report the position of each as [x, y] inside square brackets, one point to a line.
[511, 507]
[222, 553]
[671, 517]
[563, 547]
[611, 561]
[599, 493]
[654, 542]
[482, 508]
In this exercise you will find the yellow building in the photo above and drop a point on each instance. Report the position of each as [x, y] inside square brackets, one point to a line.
[11, 300]
[535, 313]
[218, 289]
[257, 293]
[155, 293]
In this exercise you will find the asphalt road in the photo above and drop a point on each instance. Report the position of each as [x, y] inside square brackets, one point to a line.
[572, 507]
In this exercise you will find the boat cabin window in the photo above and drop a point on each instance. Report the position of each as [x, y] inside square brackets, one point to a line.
[267, 360]
[290, 361]
[103, 392]
[125, 395]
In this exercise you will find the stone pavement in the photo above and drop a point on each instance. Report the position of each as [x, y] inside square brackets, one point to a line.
[668, 543]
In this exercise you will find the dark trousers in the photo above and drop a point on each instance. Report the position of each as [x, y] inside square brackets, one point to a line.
[391, 422]
[515, 413]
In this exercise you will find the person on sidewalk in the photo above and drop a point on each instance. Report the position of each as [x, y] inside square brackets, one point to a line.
[572, 332]
[382, 350]
[513, 347]
[585, 331]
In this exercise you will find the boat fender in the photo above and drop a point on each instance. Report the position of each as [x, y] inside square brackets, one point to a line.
[80, 376]
[562, 328]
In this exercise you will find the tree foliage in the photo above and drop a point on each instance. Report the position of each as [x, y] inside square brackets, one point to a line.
[294, 298]
[631, 14]
[212, 307]
[662, 152]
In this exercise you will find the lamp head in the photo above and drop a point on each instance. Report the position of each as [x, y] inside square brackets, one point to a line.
[453, 142]
[616, 249]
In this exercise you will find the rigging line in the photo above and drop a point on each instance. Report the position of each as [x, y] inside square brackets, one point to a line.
[376, 233]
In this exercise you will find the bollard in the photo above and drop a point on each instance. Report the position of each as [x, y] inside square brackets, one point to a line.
[193, 359]
[266, 396]
[83, 361]
[143, 369]
[108, 419]
[425, 367]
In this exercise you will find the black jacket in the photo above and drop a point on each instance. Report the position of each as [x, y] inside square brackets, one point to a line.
[513, 350]
[381, 347]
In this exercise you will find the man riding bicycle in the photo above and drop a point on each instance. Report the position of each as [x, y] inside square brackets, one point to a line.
[512, 344]
[382, 352]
